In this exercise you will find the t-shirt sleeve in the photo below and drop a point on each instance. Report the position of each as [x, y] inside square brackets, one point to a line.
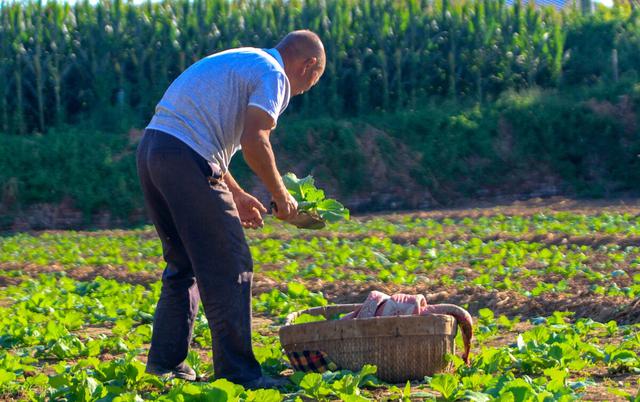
[270, 93]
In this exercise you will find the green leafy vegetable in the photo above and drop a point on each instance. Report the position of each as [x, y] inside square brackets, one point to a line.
[304, 318]
[65, 339]
[312, 199]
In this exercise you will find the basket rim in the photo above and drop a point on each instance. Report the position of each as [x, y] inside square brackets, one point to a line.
[382, 326]
[446, 317]
[319, 309]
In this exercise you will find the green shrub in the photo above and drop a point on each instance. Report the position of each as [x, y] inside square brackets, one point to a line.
[96, 170]
[584, 141]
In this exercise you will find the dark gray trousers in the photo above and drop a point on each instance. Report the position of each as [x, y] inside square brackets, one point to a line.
[207, 258]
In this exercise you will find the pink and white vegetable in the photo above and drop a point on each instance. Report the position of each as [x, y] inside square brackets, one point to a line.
[379, 304]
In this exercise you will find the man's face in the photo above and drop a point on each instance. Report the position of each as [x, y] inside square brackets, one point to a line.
[310, 75]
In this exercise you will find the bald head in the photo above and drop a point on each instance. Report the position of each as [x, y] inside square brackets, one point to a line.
[304, 59]
[302, 44]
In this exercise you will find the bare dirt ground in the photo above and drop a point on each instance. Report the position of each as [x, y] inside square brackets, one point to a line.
[83, 273]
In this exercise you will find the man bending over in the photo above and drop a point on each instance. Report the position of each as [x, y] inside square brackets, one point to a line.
[225, 102]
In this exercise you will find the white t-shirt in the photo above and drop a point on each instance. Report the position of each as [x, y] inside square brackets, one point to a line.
[205, 106]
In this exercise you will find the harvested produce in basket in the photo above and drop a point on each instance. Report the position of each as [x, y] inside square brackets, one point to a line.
[380, 304]
[305, 318]
[402, 347]
[311, 200]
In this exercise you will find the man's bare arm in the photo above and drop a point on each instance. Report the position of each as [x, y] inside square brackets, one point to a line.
[233, 185]
[258, 154]
[257, 150]
[250, 210]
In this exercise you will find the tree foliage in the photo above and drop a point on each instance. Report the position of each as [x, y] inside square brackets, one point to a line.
[110, 62]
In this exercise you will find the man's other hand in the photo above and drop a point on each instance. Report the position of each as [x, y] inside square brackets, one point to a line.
[286, 206]
[250, 210]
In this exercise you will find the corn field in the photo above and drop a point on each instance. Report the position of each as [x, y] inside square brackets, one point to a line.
[63, 64]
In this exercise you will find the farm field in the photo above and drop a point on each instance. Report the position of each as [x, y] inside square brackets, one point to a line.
[554, 289]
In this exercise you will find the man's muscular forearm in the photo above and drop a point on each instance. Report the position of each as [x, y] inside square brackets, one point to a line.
[258, 154]
[233, 185]
[250, 210]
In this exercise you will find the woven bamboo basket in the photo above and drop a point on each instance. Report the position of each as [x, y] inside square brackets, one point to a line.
[403, 347]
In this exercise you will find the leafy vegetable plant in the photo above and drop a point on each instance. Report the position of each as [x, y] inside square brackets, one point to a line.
[82, 340]
[305, 318]
[312, 199]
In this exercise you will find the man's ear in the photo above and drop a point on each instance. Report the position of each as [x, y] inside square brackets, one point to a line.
[309, 64]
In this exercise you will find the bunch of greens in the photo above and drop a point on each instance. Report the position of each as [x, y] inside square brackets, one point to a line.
[311, 199]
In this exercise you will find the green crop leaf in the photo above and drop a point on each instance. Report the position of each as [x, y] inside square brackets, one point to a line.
[623, 356]
[314, 386]
[311, 381]
[230, 388]
[134, 371]
[406, 393]
[347, 385]
[312, 194]
[353, 398]
[367, 377]
[446, 384]
[557, 378]
[91, 389]
[520, 389]
[299, 188]
[221, 391]
[191, 390]
[94, 346]
[214, 395]
[296, 289]
[297, 377]
[73, 320]
[58, 381]
[486, 315]
[304, 318]
[476, 396]
[264, 395]
[312, 199]
[128, 397]
[332, 211]
[6, 376]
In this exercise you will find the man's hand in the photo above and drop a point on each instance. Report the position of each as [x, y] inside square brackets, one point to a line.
[249, 209]
[286, 206]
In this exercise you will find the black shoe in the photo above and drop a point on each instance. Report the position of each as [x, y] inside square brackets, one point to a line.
[182, 371]
[267, 382]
